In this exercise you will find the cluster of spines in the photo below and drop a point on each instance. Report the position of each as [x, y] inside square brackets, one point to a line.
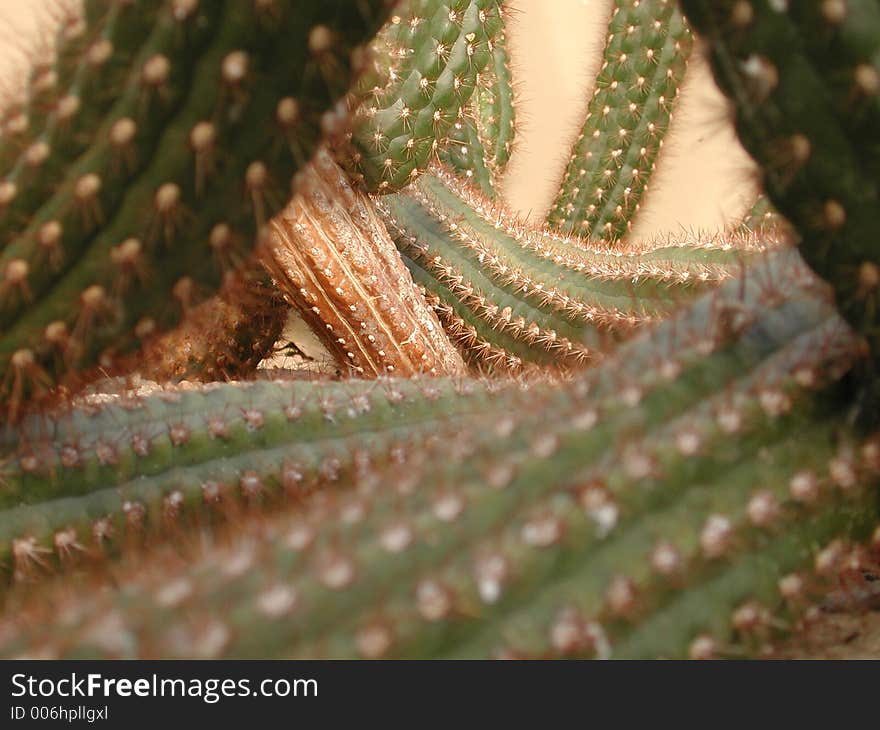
[181, 165]
[644, 63]
[804, 81]
[536, 295]
[440, 46]
[585, 519]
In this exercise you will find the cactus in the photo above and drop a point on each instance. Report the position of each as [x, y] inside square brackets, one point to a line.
[480, 144]
[594, 518]
[116, 252]
[440, 47]
[514, 296]
[804, 79]
[643, 65]
[118, 32]
[224, 338]
[693, 492]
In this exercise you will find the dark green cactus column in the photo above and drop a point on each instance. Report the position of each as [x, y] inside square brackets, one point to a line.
[804, 79]
[481, 141]
[119, 231]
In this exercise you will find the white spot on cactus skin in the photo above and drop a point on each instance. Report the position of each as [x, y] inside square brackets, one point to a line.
[843, 472]
[763, 509]
[828, 560]
[703, 647]
[775, 403]
[621, 596]
[804, 487]
[448, 507]
[716, 536]
[239, 562]
[300, 537]
[666, 559]
[277, 601]
[688, 442]
[396, 538]
[174, 593]
[542, 531]
[749, 617]
[490, 572]
[433, 600]
[601, 509]
[336, 572]
[792, 587]
[373, 641]
[156, 70]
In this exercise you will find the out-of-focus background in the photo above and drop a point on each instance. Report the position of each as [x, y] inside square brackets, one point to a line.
[556, 48]
[702, 182]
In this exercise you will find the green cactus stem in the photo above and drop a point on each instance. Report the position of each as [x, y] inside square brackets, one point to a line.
[804, 80]
[193, 156]
[183, 450]
[525, 296]
[644, 63]
[440, 47]
[598, 517]
[481, 141]
[66, 124]
[466, 154]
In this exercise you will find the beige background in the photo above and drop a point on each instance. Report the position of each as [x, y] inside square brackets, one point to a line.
[556, 46]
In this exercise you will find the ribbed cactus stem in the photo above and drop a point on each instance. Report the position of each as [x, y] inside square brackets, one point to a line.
[688, 497]
[465, 153]
[560, 298]
[185, 450]
[643, 65]
[191, 158]
[481, 141]
[439, 47]
[66, 124]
